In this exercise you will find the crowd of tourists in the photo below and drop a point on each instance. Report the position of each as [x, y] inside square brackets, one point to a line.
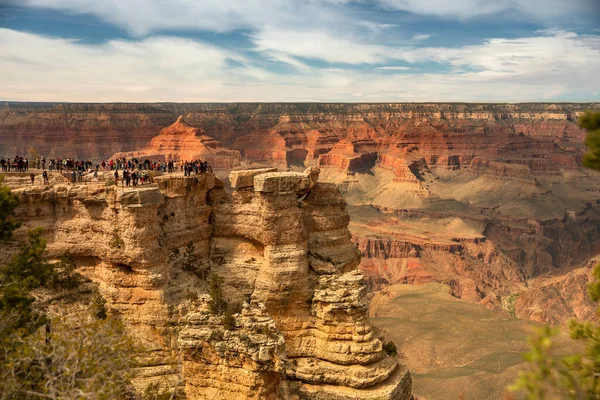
[133, 177]
[19, 164]
[135, 171]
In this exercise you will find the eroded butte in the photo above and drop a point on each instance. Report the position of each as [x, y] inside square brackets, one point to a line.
[280, 243]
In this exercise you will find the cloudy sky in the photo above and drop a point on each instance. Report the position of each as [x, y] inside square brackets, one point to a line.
[299, 50]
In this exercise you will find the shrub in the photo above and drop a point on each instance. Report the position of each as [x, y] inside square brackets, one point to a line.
[390, 348]
[156, 391]
[98, 307]
[71, 360]
[217, 304]
[217, 335]
[191, 263]
[228, 321]
[27, 270]
[65, 276]
[510, 304]
[8, 202]
[236, 307]
[116, 242]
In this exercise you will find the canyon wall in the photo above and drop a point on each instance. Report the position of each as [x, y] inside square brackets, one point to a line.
[280, 247]
[448, 135]
[487, 198]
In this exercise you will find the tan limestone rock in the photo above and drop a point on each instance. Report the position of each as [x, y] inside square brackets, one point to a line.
[303, 328]
[245, 178]
[281, 182]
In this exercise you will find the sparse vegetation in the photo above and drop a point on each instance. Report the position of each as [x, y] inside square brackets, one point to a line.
[228, 320]
[218, 260]
[190, 262]
[98, 306]
[235, 307]
[390, 348]
[591, 122]
[217, 335]
[73, 360]
[27, 270]
[157, 391]
[192, 296]
[217, 304]
[510, 304]
[574, 376]
[42, 357]
[33, 155]
[116, 242]
[65, 276]
[8, 202]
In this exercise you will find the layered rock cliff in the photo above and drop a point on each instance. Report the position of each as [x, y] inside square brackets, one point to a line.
[508, 175]
[447, 135]
[279, 245]
[181, 142]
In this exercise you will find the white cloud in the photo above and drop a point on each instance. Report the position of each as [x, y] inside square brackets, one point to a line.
[286, 59]
[374, 26]
[559, 57]
[394, 68]
[38, 68]
[318, 45]
[422, 36]
[142, 17]
[541, 10]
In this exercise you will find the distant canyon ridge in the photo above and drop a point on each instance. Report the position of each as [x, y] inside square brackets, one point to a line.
[447, 135]
[489, 199]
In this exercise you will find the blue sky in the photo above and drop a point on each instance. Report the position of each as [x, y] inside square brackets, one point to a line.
[300, 50]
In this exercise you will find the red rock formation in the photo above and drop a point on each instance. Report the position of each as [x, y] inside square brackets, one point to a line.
[445, 135]
[181, 142]
[556, 300]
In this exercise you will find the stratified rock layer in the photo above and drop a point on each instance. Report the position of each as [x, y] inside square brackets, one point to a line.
[181, 142]
[282, 249]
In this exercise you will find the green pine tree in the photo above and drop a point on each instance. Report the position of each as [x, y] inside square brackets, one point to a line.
[8, 202]
[590, 121]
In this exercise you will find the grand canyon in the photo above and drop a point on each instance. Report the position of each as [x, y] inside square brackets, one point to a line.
[447, 228]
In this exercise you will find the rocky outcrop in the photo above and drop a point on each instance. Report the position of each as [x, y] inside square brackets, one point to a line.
[245, 178]
[526, 268]
[558, 299]
[181, 142]
[283, 252]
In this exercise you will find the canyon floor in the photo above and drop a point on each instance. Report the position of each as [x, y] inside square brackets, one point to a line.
[454, 349]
